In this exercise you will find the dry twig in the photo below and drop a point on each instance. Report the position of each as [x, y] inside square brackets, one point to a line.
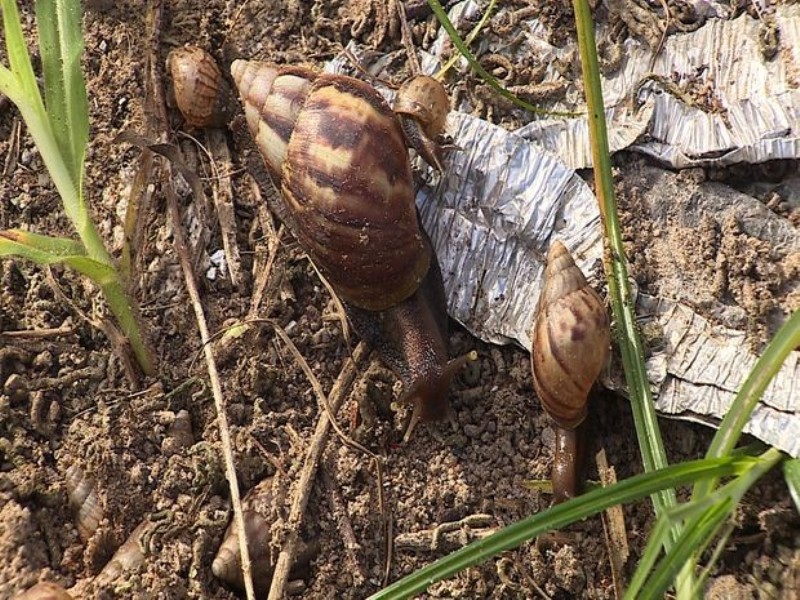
[614, 527]
[303, 491]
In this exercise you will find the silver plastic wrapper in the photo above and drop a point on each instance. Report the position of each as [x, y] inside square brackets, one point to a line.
[740, 98]
[504, 198]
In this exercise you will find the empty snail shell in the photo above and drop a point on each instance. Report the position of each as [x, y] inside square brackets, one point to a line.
[571, 342]
[83, 500]
[422, 105]
[128, 556]
[45, 591]
[257, 506]
[201, 93]
[338, 153]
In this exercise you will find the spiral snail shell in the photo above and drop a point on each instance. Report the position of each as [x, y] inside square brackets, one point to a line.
[338, 154]
[571, 343]
[83, 500]
[202, 95]
[422, 105]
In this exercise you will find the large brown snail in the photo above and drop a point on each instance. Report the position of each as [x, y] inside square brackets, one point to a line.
[200, 92]
[338, 154]
[571, 343]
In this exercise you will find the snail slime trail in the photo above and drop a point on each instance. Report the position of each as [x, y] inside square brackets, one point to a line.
[338, 153]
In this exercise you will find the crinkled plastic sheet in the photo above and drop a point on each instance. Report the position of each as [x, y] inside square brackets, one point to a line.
[759, 98]
[504, 199]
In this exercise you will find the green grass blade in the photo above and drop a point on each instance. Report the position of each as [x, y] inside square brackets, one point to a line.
[61, 46]
[648, 433]
[791, 472]
[560, 515]
[43, 243]
[19, 59]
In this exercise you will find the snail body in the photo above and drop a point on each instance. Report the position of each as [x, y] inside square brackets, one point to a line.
[201, 93]
[338, 153]
[571, 343]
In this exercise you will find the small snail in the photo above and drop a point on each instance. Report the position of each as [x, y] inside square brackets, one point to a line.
[338, 153]
[571, 341]
[422, 106]
[201, 93]
[257, 506]
[83, 500]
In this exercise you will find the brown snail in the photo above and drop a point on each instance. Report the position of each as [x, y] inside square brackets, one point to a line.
[257, 507]
[201, 93]
[82, 494]
[338, 154]
[422, 105]
[571, 343]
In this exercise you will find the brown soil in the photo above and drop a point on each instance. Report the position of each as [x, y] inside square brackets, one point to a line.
[66, 400]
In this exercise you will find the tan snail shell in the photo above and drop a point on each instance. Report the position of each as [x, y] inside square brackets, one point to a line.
[571, 344]
[128, 556]
[201, 93]
[423, 105]
[338, 154]
[257, 506]
[83, 500]
[45, 591]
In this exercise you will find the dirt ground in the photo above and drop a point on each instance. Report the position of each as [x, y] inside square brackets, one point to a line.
[69, 412]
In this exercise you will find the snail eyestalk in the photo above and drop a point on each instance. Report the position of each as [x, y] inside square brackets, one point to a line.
[429, 394]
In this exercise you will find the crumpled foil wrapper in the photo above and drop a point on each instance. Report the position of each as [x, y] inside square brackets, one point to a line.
[504, 198]
[740, 101]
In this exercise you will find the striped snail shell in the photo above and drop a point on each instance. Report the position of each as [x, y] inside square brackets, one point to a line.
[83, 500]
[422, 105]
[338, 153]
[201, 93]
[571, 343]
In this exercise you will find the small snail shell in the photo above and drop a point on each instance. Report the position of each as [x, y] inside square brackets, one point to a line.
[83, 500]
[422, 105]
[45, 591]
[571, 341]
[227, 565]
[129, 556]
[338, 153]
[201, 93]
[179, 435]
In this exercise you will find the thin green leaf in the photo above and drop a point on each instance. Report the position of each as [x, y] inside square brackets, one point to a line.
[57, 251]
[563, 514]
[44, 243]
[791, 472]
[698, 533]
[18, 58]
[627, 334]
[61, 45]
[470, 38]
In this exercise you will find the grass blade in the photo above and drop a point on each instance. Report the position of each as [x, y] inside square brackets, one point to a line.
[61, 46]
[648, 433]
[19, 60]
[560, 515]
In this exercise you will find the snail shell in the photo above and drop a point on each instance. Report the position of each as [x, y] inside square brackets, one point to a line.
[571, 339]
[129, 556]
[339, 155]
[257, 507]
[571, 342]
[201, 93]
[227, 564]
[45, 591]
[83, 500]
[422, 105]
